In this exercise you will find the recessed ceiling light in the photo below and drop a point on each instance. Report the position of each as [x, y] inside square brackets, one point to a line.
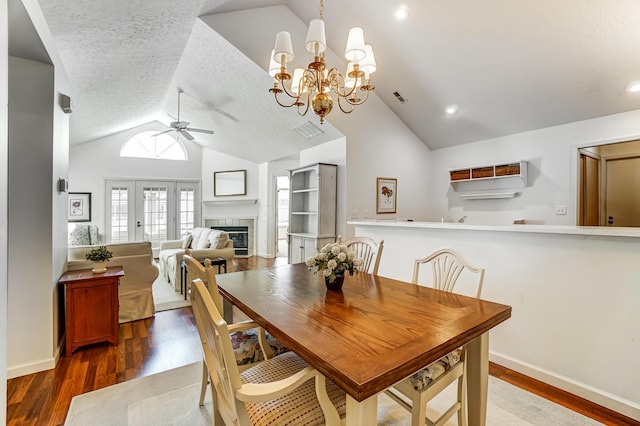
[451, 109]
[402, 12]
[633, 87]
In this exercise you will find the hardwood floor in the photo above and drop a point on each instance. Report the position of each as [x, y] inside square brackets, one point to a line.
[170, 340]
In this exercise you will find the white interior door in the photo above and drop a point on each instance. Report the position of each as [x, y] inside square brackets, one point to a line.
[623, 192]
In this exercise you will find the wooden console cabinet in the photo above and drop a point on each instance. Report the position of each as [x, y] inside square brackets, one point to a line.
[91, 307]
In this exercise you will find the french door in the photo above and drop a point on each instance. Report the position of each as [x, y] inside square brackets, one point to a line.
[151, 210]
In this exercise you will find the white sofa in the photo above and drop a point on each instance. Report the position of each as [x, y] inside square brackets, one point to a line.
[203, 243]
[135, 295]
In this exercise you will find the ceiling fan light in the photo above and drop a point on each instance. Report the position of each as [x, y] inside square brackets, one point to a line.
[316, 42]
[355, 45]
[283, 50]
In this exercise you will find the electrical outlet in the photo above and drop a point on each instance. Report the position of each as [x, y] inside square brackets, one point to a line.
[560, 210]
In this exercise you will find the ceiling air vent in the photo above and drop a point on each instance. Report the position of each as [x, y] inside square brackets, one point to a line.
[308, 130]
[399, 97]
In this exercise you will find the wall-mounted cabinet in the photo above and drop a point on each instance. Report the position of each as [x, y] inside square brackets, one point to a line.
[312, 209]
[504, 180]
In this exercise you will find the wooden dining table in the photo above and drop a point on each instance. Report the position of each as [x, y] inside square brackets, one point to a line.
[374, 333]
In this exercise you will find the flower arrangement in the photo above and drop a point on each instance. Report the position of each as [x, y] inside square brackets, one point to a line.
[333, 260]
[99, 254]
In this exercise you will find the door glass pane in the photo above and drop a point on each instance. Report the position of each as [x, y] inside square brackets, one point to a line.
[187, 210]
[119, 215]
[155, 215]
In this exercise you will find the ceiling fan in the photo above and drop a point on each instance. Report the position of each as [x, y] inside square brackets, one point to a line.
[182, 127]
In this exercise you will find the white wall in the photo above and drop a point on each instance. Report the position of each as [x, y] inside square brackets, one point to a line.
[92, 162]
[38, 156]
[214, 161]
[552, 156]
[4, 166]
[31, 102]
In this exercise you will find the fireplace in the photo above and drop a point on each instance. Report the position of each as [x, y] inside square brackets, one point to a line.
[240, 237]
[240, 229]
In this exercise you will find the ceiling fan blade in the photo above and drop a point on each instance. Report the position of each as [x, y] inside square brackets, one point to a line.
[162, 133]
[192, 129]
[187, 135]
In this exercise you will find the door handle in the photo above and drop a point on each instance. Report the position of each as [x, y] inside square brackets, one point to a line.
[138, 224]
[610, 220]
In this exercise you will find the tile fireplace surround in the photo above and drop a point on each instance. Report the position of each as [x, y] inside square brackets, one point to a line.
[236, 221]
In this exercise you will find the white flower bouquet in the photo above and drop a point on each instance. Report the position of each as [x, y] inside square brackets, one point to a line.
[333, 260]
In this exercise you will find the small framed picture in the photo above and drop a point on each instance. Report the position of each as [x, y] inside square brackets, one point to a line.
[79, 207]
[386, 193]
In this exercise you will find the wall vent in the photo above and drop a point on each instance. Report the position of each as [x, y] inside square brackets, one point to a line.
[399, 97]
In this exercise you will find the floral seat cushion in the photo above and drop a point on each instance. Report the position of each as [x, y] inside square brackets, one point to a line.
[423, 378]
[247, 347]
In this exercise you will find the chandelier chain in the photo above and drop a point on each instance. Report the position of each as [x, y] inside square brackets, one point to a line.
[322, 9]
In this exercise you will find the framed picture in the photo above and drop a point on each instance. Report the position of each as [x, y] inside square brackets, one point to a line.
[386, 193]
[79, 207]
[230, 182]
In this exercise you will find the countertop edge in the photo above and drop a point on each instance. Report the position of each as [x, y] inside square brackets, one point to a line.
[604, 231]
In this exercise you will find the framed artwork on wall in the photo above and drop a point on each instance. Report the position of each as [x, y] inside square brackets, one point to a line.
[79, 207]
[386, 193]
[229, 182]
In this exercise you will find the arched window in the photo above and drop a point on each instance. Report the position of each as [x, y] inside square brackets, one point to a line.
[145, 145]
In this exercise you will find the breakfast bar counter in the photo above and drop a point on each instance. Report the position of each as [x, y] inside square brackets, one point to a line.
[575, 294]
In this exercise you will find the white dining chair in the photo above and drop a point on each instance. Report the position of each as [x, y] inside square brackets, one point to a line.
[280, 390]
[366, 249]
[251, 343]
[447, 266]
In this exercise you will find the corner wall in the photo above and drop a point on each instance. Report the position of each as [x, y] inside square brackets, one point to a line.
[30, 236]
[378, 144]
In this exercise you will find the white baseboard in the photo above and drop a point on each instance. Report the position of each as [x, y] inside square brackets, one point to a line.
[34, 367]
[597, 396]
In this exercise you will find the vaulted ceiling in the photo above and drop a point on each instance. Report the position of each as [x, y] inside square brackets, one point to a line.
[509, 66]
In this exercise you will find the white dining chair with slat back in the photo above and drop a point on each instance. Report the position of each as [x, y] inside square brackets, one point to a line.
[279, 390]
[421, 387]
[253, 346]
[366, 249]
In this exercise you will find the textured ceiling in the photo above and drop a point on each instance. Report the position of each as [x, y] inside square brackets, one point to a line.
[510, 66]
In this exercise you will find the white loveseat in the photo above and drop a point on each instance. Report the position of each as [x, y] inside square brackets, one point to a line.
[134, 294]
[203, 243]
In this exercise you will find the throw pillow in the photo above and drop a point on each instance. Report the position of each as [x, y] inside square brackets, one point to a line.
[79, 236]
[214, 237]
[186, 243]
[222, 240]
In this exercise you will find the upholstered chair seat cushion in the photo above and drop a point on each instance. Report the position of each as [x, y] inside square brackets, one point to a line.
[246, 346]
[423, 378]
[300, 407]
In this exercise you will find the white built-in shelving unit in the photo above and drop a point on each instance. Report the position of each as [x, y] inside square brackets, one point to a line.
[312, 209]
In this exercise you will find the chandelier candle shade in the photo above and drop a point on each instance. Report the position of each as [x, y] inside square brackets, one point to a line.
[314, 85]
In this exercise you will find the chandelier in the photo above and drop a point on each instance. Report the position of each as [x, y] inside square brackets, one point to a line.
[313, 86]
